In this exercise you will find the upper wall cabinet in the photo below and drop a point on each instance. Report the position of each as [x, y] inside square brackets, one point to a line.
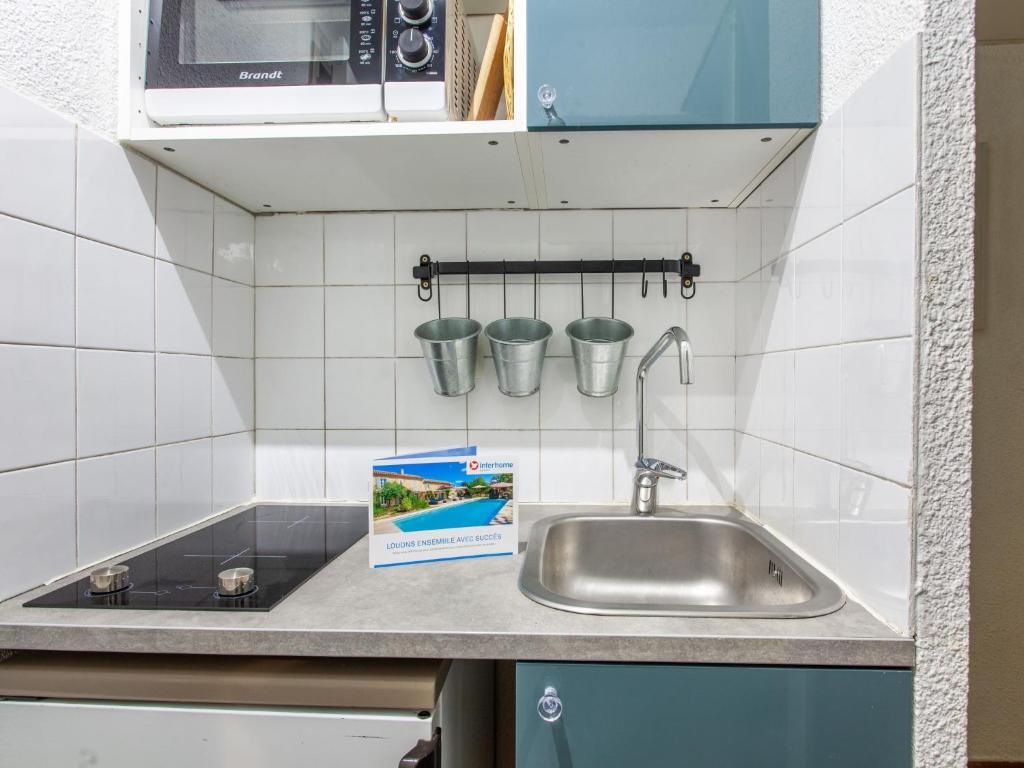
[596, 64]
[740, 76]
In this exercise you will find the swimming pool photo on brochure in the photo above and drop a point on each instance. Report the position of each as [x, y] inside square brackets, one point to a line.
[429, 496]
[423, 508]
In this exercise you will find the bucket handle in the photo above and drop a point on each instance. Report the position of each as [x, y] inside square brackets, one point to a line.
[437, 284]
[504, 290]
[535, 265]
[583, 310]
[613, 288]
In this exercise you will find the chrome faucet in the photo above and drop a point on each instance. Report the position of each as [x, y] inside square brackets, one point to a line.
[649, 471]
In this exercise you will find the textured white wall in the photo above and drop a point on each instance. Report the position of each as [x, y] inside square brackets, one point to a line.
[856, 38]
[945, 323]
[63, 55]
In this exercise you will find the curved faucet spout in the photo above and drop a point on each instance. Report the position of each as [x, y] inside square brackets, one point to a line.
[676, 335]
[649, 471]
[685, 354]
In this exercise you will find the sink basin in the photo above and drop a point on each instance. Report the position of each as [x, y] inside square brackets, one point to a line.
[671, 564]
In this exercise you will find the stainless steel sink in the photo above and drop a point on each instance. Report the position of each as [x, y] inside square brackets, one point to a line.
[671, 564]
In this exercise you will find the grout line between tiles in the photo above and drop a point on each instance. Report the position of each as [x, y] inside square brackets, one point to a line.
[840, 464]
[136, 449]
[469, 291]
[74, 300]
[130, 350]
[79, 236]
[323, 364]
[844, 219]
[252, 413]
[834, 345]
[394, 314]
[156, 407]
[535, 285]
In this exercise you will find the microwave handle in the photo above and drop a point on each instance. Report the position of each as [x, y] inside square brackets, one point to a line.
[426, 754]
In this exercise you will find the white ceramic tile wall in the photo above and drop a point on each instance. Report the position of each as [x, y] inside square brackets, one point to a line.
[825, 342]
[802, 327]
[109, 312]
[184, 398]
[184, 484]
[37, 147]
[339, 374]
[116, 503]
[37, 507]
[37, 294]
[184, 221]
[116, 401]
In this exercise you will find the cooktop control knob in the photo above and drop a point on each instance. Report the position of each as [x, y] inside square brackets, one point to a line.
[415, 12]
[414, 48]
[235, 582]
[109, 578]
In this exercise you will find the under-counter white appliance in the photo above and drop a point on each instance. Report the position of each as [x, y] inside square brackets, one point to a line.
[290, 61]
[131, 710]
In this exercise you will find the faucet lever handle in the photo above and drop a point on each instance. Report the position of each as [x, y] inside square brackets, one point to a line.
[661, 468]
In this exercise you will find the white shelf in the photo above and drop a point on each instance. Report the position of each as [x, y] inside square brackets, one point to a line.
[656, 168]
[353, 172]
[157, 133]
[271, 169]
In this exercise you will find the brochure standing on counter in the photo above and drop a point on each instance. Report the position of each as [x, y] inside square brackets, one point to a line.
[443, 505]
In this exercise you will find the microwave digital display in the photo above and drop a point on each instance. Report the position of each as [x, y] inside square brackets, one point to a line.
[264, 31]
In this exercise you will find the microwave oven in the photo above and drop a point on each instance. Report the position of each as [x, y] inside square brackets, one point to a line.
[215, 62]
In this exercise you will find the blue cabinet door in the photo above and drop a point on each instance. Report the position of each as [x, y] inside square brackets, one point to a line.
[672, 63]
[633, 715]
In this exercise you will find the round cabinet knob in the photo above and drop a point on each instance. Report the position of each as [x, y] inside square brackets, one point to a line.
[414, 48]
[235, 582]
[415, 12]
[546, 95]
[549, 707]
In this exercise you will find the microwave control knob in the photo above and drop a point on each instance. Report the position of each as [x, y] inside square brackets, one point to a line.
[414, 48]
[415, 12]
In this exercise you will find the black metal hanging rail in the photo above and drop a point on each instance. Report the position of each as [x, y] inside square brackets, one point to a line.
[429, 270]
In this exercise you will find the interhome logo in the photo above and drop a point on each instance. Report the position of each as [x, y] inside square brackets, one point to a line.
[476, 467]
[275, 75]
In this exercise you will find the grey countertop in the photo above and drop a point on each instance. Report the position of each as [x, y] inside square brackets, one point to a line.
[457, 609]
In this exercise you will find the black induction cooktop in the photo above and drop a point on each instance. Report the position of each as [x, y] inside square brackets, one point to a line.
[284, 545]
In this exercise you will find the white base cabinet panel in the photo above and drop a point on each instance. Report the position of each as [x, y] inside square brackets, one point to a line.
[50, 733]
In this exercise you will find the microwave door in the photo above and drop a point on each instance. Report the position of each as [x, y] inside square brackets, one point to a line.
[265, 31]
[241, 53]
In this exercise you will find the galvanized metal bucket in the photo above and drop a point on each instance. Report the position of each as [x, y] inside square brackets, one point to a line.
[449, 347]
[598, 348]
[518, 345]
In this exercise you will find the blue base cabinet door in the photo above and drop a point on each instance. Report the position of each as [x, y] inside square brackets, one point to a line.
[647, 716]
[602, 64]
